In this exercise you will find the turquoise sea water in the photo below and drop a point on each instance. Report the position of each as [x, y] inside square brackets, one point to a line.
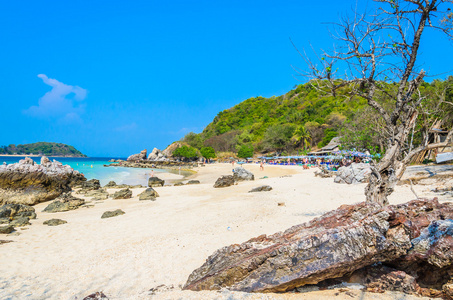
[93, 168]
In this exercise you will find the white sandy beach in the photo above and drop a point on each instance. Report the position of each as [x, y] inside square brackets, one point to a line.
[161, 242]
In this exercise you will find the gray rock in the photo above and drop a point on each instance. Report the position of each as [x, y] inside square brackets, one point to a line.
[54, 222]
[114, 213]
[263, 188]
[65, 202]
[155, 181]
[138, 157]
[122, 194]
[241, 174]
[6, 229]
[110, 184]
[193, 182]
[12, 211]
[90, 185]
[179, 183]
[45, 161]
[28, 183]
[148, 194]
[355, 173]
[20, 221]
[157, 155]
[224, 181]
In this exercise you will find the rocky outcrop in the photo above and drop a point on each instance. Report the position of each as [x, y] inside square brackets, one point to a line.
[168, 152]
[157, 155]
[241, 174]
[138, 157]
[122, 194]
[65, 202]
[28, 183]
[155, 181]
[224, 181]
[90, 185]
[148, 194]
[355, 173]
[263, 188]
[406, 236]
[16, 214]
[114, 213]
[54, 222]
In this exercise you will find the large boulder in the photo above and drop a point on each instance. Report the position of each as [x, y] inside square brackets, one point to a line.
[241, 174]
[224, 181]
[148, 194]
[355, 173]
[122, 194]
[138, 157]
[65, 202]
[90, 185]
[337, 243]
[28, 183]
[156, 155]
[16, 214]
[155, 181]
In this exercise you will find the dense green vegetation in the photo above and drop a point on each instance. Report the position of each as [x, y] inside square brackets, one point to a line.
[308, 118]
[186, 152]
[42, 148]
[207, 152]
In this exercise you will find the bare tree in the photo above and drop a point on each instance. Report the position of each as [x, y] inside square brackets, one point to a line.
[379, 48]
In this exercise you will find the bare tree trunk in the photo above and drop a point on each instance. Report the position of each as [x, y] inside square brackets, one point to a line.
[391, 167]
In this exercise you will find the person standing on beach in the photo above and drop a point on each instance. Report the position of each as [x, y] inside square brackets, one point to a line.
[152, 173]
[261, 166]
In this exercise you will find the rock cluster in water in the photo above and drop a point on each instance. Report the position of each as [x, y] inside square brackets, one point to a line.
[28, 183]
[406, 247]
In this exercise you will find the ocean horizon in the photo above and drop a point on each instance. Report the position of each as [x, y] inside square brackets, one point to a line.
[93, 168]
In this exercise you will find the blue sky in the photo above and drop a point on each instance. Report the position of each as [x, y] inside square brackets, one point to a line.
[114, 77]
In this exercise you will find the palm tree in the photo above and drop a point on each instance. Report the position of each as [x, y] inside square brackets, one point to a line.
[301, 136]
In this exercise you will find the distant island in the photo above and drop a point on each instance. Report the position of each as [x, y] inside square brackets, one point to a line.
[41, 148]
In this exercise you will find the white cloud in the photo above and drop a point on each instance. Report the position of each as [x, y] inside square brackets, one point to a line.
[63, 101]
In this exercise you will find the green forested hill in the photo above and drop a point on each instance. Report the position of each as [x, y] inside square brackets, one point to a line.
[42, 148]
[307, 118]
[300, 119]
